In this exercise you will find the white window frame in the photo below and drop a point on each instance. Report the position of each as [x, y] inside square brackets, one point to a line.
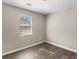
[30, 33]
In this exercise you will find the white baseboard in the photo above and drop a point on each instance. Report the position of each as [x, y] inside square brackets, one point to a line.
[62, 47]
[21, 48]
[37, 44]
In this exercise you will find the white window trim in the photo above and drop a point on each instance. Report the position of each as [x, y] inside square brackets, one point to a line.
[23, 34]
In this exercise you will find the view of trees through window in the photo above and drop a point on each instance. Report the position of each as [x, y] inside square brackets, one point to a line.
[26, 24]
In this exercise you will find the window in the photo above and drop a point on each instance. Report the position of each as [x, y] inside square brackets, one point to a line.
[25, 25]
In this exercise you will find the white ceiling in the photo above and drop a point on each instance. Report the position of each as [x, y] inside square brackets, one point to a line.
[42, 7]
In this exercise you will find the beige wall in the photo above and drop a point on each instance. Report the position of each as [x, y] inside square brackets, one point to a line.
[11, 34]
[61, 29]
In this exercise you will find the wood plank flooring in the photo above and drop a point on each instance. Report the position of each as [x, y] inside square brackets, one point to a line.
[42, 51]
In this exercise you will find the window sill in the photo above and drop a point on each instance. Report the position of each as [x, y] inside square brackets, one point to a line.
[24, 34]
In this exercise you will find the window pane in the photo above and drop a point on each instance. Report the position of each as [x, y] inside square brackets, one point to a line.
[25, 29]
[26, 20]
[25, 24]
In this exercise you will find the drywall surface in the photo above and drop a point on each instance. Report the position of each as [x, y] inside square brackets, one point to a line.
[61, 29]
[11, 34]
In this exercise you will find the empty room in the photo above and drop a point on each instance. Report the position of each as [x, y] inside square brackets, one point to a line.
[39, 29]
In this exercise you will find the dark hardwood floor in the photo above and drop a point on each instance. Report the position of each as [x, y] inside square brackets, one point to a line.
[42, 51]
